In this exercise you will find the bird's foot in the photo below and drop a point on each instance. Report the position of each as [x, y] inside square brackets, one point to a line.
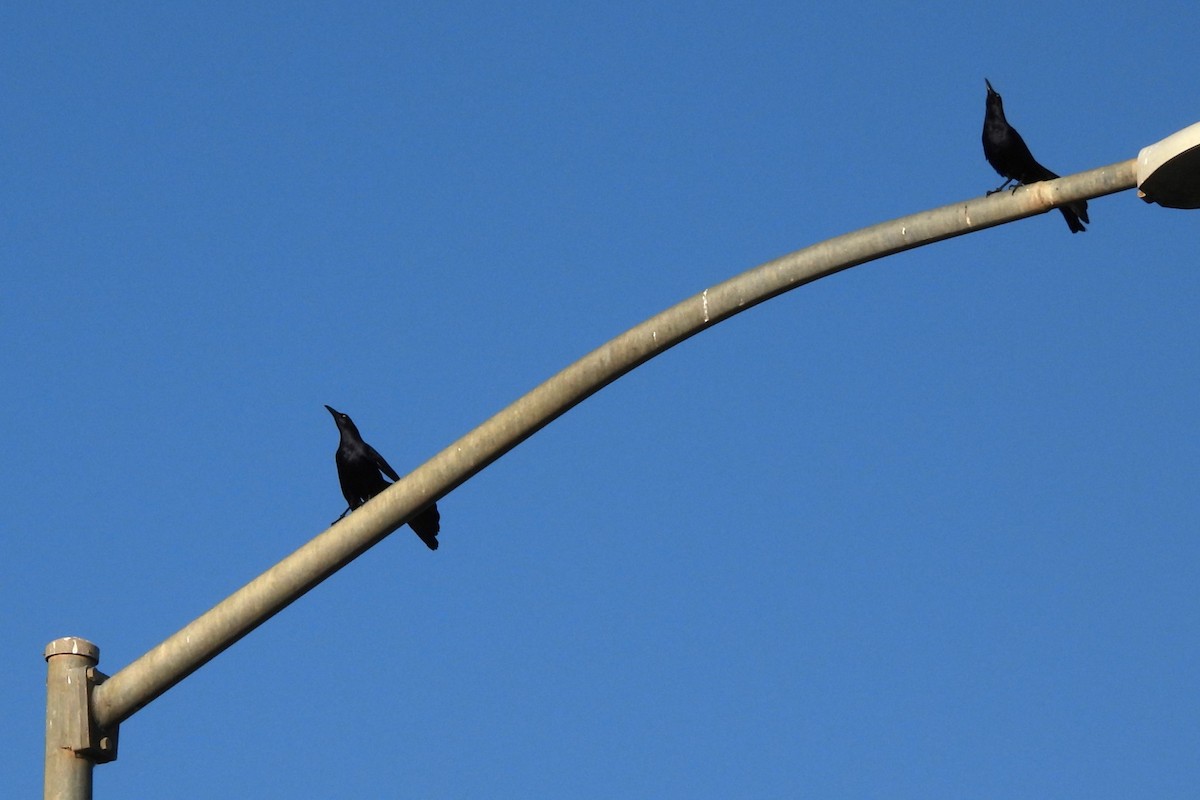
[1003, 186]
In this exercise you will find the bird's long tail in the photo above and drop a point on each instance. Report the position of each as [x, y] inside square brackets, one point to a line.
[1075, 214]
[426, 525]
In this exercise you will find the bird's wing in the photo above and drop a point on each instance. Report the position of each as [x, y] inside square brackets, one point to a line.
[385, 467]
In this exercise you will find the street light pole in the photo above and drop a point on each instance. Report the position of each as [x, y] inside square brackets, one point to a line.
[74, 743]
[106, 703]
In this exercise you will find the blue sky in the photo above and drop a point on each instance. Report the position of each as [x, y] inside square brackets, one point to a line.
[927, 528]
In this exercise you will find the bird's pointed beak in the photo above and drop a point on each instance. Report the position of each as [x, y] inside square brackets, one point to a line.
[989, 85]
[331, 410]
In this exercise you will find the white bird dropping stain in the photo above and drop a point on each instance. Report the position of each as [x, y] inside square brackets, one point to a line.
[704, 297]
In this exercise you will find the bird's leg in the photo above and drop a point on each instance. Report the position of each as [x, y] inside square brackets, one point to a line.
[1001, 186]
[341, 516]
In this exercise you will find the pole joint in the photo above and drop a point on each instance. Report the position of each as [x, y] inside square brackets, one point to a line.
[80, 733]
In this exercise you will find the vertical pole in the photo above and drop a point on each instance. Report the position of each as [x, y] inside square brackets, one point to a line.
[68, 774]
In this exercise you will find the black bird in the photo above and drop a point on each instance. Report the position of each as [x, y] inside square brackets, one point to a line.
[359, 467]
[1008, 154]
